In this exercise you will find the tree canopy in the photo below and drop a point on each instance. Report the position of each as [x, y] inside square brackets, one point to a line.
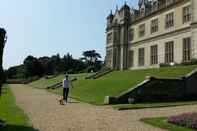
[38, 67]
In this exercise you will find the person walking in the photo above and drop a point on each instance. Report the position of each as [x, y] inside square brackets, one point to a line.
[66, 85]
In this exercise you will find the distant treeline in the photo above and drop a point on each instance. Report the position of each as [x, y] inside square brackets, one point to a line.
[43, 66]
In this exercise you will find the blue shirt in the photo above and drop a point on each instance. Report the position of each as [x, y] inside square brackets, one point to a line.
[66, 83]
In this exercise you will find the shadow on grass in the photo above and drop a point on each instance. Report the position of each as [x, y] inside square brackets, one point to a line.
[4, 91]
[7, 127]
[16, 128]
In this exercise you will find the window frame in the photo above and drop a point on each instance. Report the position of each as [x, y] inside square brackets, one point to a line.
[131, 34]
[187, 14]
[169, 52]
[154, 25]
[169, 20]
[142, 30]
[141, 57]
[131, 58]
[187, 47]
[154, 54]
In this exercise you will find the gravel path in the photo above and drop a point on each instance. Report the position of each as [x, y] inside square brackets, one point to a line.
[46, 114]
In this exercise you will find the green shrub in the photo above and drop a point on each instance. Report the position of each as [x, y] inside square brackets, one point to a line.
[192, 62]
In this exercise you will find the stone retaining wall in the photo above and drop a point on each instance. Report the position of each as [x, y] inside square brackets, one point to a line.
[159, 90]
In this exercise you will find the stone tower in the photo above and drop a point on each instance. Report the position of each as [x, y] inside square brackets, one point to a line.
[117, 38]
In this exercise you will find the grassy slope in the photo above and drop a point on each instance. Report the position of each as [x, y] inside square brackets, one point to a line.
[13, 116]
[43, 83]
[162, 123]
[94, 91]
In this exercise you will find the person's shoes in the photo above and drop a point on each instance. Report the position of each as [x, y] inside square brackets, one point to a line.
[65, 103]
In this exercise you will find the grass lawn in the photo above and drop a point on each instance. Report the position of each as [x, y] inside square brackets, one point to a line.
[161, 122]
[152, 105]
[13, 116]
[112, 84]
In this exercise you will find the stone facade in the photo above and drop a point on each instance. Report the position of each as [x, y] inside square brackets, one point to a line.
[131, 34]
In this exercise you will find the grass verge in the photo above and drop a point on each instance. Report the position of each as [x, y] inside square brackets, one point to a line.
[14, 118]
[161, 122]
[152, 105]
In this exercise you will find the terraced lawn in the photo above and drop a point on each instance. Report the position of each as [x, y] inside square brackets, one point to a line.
[43, 82]
[112, 84]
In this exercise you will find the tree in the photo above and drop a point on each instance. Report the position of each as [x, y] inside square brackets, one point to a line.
[68, 62]
[91, 56]
[33, 67]
[92, 59]
[15, 72]
[47, 65]
[3, 40]
[57, 63]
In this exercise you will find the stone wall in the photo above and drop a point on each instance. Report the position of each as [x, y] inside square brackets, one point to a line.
[160, 90]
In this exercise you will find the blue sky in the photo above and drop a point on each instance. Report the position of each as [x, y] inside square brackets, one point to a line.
[47, 27]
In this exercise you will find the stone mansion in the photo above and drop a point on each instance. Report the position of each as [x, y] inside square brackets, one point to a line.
[160, 31]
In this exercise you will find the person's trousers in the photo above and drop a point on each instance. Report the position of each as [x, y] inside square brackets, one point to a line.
[65, 94]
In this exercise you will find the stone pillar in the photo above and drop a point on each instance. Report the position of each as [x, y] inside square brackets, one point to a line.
[194, 28]
[124, 47]
[194, 10]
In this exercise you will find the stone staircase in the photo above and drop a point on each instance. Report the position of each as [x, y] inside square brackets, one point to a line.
[99, 74]
[58, 85]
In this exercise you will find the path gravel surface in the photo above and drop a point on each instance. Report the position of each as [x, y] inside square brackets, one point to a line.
[46, 114]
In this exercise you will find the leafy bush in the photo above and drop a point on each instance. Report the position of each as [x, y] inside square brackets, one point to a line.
[192, 62]
[90, 69]
[188, 120]
[168, 65]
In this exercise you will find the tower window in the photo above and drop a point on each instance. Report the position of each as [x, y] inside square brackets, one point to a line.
[131, 34]
[109, 38]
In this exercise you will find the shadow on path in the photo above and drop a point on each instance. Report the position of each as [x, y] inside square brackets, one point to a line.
[74, 102]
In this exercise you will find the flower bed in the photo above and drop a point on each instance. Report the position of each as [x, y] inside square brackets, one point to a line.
[188, 120]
